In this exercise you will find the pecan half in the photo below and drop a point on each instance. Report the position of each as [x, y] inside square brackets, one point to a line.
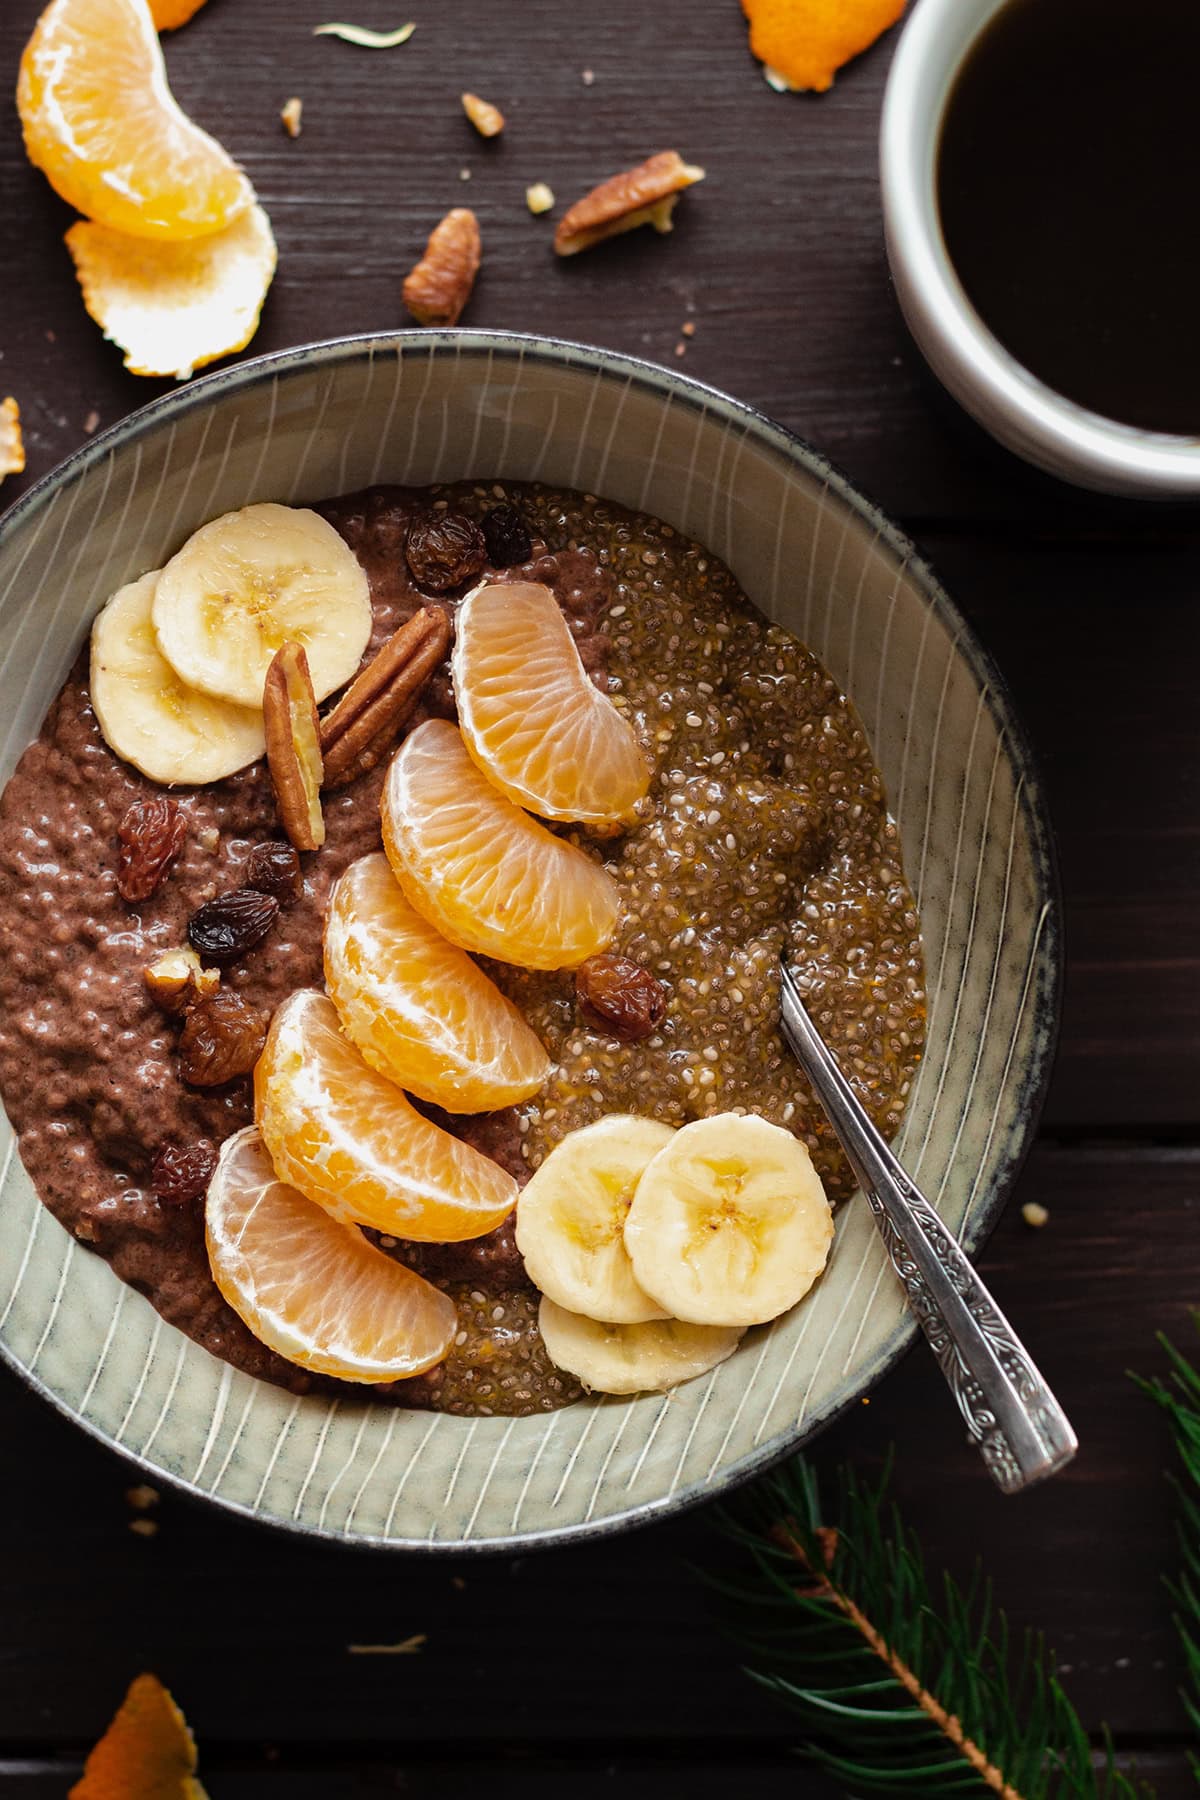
[642, 196]
[365, 720]
[178, 979]
[438, 288]
[293, 733]
[487, 119]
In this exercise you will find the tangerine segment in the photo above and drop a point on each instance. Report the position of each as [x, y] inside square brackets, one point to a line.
[530, 716]
[311, 1288]
[349, 1140]
[487, 875]
[103, 126]
[416, 1006]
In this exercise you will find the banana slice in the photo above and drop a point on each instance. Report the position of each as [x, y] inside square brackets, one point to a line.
[148, 716]
[571, 1219]
[247, 582]
[729, 1224]
[631, 1359]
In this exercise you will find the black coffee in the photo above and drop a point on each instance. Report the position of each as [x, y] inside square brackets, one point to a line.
[1068, 179]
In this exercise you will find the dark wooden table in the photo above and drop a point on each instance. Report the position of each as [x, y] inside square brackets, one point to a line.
[601, 1666]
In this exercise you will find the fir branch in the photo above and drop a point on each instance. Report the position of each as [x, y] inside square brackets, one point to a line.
[901, 1684]
[1179, 1398]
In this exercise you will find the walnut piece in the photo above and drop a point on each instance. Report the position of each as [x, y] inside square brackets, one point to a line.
[539, 198]
[438, 288]
[178, 979]
[642, 196]
[290, 116]
[487, 119]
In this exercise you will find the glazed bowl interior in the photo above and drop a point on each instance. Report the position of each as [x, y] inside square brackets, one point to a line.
[421, 407]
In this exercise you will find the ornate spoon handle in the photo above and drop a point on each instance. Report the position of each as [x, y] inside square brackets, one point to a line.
[1022, 1433]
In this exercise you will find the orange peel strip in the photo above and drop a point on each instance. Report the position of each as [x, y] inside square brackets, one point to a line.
[803, 43]
[12, 445]
[147, 1753]
[174, 307]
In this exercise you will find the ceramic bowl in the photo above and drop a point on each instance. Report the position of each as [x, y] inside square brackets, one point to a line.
[813, 554]
[1022, 412]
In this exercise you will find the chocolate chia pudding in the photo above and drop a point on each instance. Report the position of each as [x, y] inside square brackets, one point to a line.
[766, 826]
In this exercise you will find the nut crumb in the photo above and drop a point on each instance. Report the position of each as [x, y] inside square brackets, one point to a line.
[539, 198]
[1034, 1214]
[588, 77]
[146, 1528]
[464, 174]
[290, 116]
[487, 119]
[91, 422]
[688, 328]
[142, 1497]
[681, 348]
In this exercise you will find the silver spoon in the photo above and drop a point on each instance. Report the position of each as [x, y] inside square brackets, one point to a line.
[1022, 1432]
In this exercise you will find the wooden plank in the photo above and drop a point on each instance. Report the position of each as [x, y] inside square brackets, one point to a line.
[617, 1640]
[1111, 708]
[778, 259]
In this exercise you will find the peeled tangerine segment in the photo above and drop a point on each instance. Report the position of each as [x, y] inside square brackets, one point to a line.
[252, 580]
[103, 126]
[150, 718]
[631, 1359]
[571, 1218]
[349, 1140]
[312, 1289]
[487, 875]
[174, 307]
[416, 1006]
[530, 716]
[729, 1224]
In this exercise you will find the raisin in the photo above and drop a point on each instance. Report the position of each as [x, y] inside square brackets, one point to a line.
[274, 868]
[232, 923]
[443, 550]
[507, 537]
[151, 835]
[620, 996]
[182, 1173]
[221, 1039]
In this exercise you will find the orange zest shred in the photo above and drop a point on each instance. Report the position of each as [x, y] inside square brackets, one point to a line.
[803, 43]
[169, 15]
[12, 445]
[147, 1753]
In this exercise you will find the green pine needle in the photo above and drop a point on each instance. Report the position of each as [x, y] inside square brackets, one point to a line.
[902, 1685]
[1179, 1398]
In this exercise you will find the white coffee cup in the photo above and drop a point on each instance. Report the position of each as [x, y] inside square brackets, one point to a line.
[1018, 409]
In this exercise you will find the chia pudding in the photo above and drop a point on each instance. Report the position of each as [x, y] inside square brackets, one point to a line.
[765, 827]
